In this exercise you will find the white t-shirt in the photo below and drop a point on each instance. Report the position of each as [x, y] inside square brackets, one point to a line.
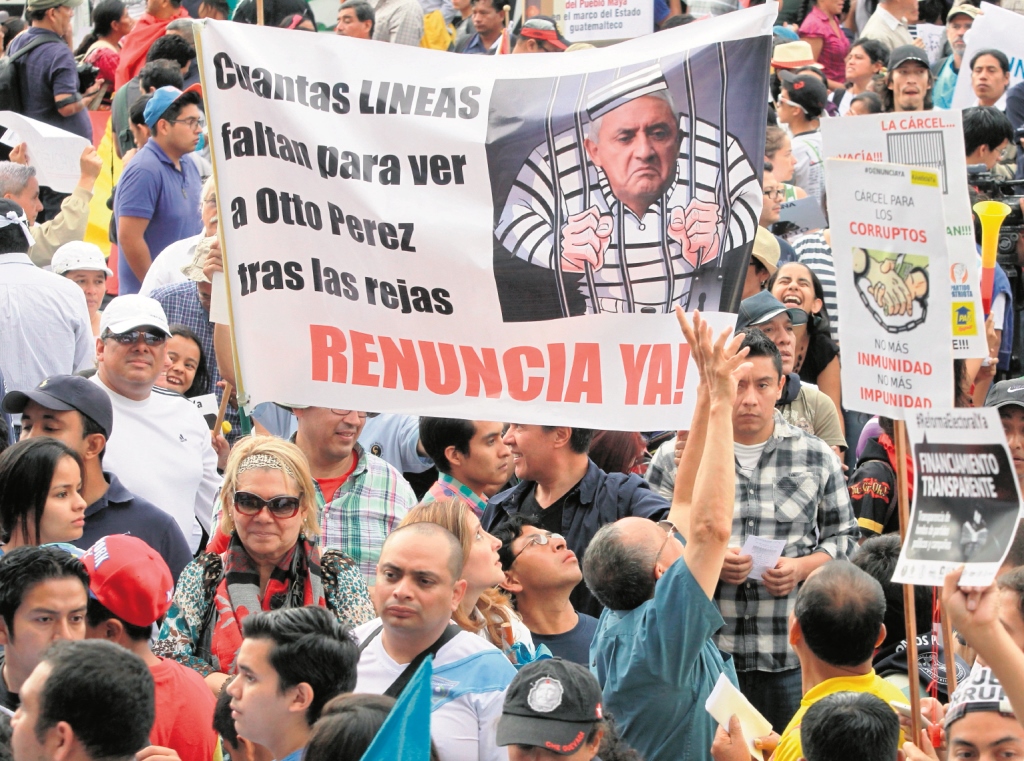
[160, 449]
[166, 268]
[463, 729]
[748, 455]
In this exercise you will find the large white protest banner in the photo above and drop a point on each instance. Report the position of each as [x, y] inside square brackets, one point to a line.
[889, 247]
[966, 499]
[995, 29]
[934, 141]
[506, 240]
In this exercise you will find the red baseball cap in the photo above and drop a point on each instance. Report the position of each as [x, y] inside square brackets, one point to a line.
[129, 578]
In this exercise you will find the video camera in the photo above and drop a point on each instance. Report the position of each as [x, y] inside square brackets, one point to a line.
[1009, 192]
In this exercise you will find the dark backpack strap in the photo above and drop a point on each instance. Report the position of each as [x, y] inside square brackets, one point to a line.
[399, 684]
[30, 47]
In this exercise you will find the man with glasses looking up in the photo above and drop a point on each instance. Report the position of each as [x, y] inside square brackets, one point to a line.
[158, 197]
[160, 444]
[541, 572]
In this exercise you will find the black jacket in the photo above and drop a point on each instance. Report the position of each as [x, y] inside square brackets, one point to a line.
[599, 498]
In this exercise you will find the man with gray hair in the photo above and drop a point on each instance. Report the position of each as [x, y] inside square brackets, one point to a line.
[653, 652]
[639, 205]
[355, 19]
[18, 183]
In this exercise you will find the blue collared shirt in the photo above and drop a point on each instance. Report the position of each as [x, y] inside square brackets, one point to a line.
[152, 188]
[119, 511]
[294, 755]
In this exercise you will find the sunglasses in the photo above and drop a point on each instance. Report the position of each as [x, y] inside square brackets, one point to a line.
[132, 337]
[280, 507]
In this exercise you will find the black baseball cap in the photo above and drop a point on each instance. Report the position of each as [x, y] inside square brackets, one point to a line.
[904, 53]
[1005, 393]
[761, 307]
[806, 90]
[63, 393]
[551, 704]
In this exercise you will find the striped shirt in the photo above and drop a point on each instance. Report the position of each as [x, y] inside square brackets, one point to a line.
[447, 487]
[814, 253]
[655, 276]
[796, 492]
[367, 507]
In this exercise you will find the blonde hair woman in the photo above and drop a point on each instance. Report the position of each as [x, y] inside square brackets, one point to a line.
[271, 562]
[485, 609]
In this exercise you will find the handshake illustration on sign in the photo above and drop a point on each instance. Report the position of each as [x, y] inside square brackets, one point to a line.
[894, 281]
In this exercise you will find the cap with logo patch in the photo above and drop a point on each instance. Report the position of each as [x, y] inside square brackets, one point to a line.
[551, 704]
[63, 393]
[1005, 393]
[129, 578]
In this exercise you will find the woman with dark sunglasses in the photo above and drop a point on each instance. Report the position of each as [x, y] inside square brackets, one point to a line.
[272, 561]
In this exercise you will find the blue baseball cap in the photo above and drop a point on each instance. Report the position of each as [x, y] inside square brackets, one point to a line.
[165, 97]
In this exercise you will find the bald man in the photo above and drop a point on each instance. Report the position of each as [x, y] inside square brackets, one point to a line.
[419, 587]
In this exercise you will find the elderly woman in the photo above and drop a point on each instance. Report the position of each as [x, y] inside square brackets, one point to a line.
[271, 562]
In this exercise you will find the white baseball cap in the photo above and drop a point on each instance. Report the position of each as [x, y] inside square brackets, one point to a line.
[79, 255]
[133, 311]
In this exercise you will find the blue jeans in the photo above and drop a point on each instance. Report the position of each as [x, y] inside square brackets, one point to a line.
[775, 694]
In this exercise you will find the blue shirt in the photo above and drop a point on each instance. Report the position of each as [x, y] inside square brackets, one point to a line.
[294, 755]
[119, 511]
[152, 188]
[45, 72]
[657, 665]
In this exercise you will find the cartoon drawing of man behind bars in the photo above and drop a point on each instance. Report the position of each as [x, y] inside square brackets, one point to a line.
[621, 199]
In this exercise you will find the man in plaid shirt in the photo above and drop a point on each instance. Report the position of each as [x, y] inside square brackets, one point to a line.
[789, 486]
[361, 498]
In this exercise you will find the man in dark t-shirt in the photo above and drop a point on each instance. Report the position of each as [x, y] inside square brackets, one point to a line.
[541, 572]
[48, 76]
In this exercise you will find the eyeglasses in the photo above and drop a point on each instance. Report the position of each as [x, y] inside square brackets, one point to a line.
[788, 102]
[280, 507]
[132, 337]
[540, 540]
[193, 122]
[670, 530]
[775, 194]
[362, 415]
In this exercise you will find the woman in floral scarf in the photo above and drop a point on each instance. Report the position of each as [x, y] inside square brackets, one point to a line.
[272, 562]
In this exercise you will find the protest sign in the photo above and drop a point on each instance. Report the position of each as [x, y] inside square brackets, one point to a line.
[966, 498]
[995, 29]
[55, 153]
[799, 218]
[934, 38]
[888, 244]
[397, 237]
[934, 141]
[597, 20]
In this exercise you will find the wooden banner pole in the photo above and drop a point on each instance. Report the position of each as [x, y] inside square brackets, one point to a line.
[947, 643]
[259, 12]
[910, 615]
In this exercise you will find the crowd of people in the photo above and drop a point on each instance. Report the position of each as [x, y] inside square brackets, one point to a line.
[267, 589]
